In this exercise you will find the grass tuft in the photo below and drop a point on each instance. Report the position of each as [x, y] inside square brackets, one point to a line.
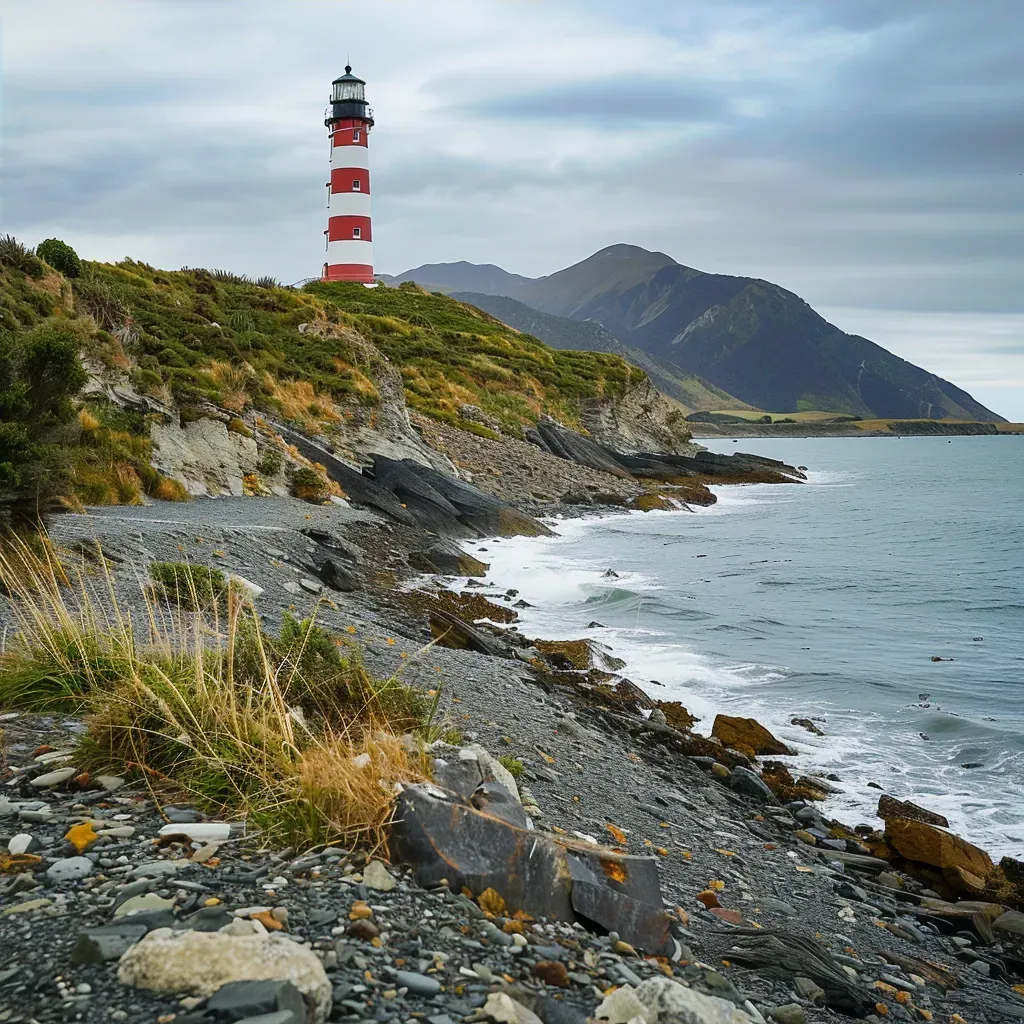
[286, 730]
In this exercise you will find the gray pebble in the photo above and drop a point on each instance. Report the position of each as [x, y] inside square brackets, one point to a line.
[54, 778]
[70, 870]
[418, 984]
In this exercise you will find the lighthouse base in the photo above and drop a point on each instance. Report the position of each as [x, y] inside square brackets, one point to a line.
[357, 272]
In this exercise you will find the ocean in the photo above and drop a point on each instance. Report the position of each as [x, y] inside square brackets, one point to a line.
[825, 600]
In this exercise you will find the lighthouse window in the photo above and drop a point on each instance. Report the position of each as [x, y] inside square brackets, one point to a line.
[356, 186]
[357, 232]
[356, 136]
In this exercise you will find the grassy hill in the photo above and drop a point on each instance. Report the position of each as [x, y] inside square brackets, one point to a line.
[747, 337]
[309, 357]
[689, 390]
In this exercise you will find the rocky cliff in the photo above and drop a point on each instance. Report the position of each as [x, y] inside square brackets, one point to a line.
[203, 382]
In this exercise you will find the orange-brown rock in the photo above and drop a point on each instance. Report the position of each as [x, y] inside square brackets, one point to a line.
[552, 972]
[965, 881]
[780, 781]
[578, 654]
[729, 916]
[890, 807]
[747, 735]
[676, 715]
[930, 844]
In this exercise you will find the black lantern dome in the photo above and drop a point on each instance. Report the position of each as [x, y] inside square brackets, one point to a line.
[348, 99]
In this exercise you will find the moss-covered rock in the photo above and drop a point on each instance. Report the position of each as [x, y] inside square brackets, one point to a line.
[939, 847]
[676, 715]
[578, 654]
[748, 736]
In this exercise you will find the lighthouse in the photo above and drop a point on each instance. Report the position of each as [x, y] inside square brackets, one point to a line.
[349, 234]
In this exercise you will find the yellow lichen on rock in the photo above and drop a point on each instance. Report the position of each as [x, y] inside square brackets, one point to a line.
[930, 844]
[747, 735]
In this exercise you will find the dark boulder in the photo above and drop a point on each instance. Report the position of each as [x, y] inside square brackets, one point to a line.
[430, 508]
[359, 488]
[446, 839]
[785, 956]
[488, 515]
[448, 559]
[448, 631]
[337, 578]
[749, 783]
[567, 444]
[339, 545]
[737, 464]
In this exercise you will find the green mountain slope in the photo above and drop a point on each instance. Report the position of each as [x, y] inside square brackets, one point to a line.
[561, 332]
[748, 337]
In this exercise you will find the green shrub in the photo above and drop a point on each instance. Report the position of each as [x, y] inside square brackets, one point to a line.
[512, 765]
[60, 256]
[103, 300]
[271, 461]
[308, 484]
[190, 586]
[39, 375]
[16, 256]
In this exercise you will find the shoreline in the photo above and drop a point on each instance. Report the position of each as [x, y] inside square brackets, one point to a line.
[861, 794]
[733, 862]
[891, 429]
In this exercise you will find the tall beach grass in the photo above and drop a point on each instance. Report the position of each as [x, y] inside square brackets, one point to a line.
[285, 729]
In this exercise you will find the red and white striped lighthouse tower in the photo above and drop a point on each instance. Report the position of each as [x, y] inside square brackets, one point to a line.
[349, 234]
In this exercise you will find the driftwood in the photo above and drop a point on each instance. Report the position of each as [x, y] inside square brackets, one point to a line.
[935, 973]
[782, 955]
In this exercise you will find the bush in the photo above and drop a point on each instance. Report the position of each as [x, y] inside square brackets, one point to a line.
[16, 256]
[309, 485]
[103, 300]
[60, 256]
[271, 461]
[39, 375]
[190, 586]
[512, 765]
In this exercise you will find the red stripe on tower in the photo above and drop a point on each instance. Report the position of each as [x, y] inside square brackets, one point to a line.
[349, 234]
[350, 179]
[348, 226]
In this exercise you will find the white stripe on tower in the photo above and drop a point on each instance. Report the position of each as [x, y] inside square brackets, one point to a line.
[349, 233]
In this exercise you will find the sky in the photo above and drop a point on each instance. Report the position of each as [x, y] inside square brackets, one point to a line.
[866, 154]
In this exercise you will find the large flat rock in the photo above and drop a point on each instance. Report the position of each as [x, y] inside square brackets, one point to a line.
[446, 839]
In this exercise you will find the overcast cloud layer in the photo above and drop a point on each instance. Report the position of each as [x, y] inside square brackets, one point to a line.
[868, 155]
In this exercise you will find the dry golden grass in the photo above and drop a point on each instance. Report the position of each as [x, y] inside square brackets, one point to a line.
[288, 732]
[171, 490]
[300, 402]
[235, 383]
[87, 421]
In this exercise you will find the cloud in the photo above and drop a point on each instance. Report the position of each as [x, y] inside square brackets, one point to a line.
[867, 155]
[637, 100]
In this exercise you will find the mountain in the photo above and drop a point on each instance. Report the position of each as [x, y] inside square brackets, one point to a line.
[563, 333]
[745, 336]
[462, 276]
